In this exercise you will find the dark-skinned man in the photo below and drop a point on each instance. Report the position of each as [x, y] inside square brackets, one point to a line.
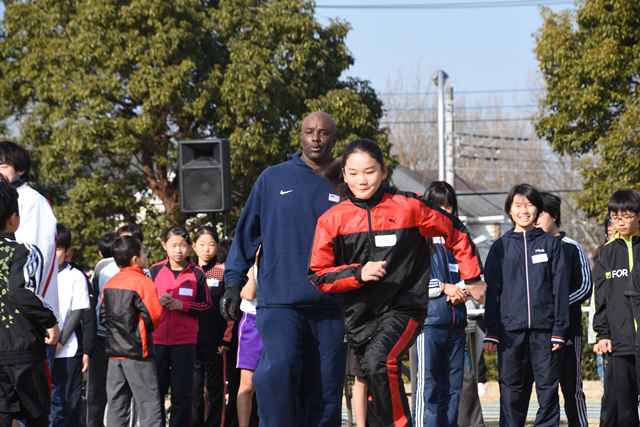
[300, 376]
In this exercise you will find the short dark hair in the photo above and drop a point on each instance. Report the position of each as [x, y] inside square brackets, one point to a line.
[8, 201]
[607, 223]
[64, 236]
[442, 193]
[125, 248]
[16, 156]
[207, 229]
[226, 243]
[530, 192]
[177, 230]
[552, 206]
[132, 229]
[105, 244]
[624, 200]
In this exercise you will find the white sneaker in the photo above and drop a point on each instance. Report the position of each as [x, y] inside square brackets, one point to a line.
[482, 389]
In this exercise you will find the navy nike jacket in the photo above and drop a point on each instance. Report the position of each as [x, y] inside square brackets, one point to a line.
[527, 285]
[281, 215]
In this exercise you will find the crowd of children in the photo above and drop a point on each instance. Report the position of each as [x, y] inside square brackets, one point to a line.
[402, 267]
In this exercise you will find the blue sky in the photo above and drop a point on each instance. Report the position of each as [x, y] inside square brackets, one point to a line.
[480, 49]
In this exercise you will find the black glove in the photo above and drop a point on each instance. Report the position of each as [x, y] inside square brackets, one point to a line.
[230, 301]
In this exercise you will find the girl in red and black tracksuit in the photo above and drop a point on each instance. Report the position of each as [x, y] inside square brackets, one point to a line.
[214, 336]
[182, 289]
[370, 248]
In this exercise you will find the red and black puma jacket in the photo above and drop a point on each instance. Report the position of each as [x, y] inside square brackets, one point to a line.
[391, 227]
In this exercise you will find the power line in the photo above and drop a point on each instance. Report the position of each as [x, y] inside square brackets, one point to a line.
[502, 159]
[505, 192]
[462, 5]
[411, 122]
[502, 148]
[477, 193]
[396, 132]
[508, 138]
[465, 92]
[482, 107]
[492, 169]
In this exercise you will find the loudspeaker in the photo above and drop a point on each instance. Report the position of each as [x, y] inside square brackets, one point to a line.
[205, 175]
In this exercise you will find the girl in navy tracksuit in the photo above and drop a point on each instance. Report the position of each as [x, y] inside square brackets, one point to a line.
[440, 346]
[370, 249]
[526, 309]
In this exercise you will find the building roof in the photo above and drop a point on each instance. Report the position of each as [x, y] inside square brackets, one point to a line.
[474, 202]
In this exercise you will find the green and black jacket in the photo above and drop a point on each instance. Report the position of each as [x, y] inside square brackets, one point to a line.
[24, 316]
[613, 318]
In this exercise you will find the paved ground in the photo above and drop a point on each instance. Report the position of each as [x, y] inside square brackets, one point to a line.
[491, 405]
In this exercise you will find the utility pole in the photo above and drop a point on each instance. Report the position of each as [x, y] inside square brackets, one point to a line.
[440, 79]
[450, 169]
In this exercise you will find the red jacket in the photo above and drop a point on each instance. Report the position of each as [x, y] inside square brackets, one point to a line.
[391, 227]
[130, 311]
[190, 287]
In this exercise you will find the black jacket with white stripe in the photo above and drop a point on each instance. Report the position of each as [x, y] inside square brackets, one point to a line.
[23, 314]
[580, 282]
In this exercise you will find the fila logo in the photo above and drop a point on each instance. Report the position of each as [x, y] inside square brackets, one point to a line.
[539, 250]
[616, 273]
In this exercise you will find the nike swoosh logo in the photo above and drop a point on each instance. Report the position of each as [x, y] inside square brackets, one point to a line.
[285, 192]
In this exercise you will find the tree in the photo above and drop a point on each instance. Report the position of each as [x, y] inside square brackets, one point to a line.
[105, 89]
[589, 58]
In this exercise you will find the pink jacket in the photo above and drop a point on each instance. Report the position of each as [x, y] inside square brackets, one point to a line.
[190, 287]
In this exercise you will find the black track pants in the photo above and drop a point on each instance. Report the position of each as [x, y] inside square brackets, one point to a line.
[575, 405]
[516, 350]
[624, 374]
[380, 363]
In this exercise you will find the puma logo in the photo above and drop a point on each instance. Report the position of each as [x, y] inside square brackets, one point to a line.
[393, 221]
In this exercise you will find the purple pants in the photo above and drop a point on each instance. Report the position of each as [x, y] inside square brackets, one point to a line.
[249, 343]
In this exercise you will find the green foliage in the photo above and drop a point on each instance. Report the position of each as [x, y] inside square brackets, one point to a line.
[491, 361]
[588, 363]
[590, 59]
[105, 89]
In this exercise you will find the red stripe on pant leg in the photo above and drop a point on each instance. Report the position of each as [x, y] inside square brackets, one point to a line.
[46, 369]
[224, 386]
[399, 418]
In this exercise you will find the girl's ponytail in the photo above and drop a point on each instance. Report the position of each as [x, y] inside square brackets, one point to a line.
[333, 173]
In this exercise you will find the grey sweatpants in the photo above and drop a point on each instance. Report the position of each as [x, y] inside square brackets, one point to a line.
[136, 378]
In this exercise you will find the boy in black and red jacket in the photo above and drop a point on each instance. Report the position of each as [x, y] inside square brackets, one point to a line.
[25, 385]
[130, 311]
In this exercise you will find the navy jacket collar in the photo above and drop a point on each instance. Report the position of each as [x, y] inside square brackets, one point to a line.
[530, 234]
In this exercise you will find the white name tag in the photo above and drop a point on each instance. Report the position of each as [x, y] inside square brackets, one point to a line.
[186, 291]
[213, 283]
[334, 198]
[539, 258]
[386, 241]
[453, 268]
